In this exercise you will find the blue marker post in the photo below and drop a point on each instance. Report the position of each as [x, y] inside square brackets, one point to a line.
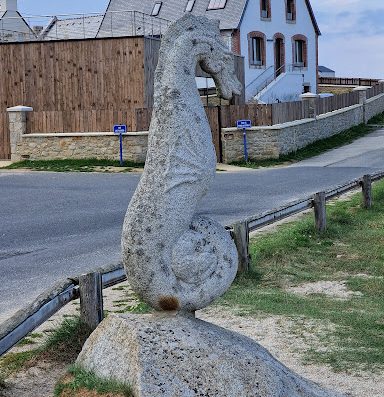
[120, 129]
[244, 125]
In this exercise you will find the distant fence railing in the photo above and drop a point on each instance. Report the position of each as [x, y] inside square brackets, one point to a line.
[347, 81]
[89, 287]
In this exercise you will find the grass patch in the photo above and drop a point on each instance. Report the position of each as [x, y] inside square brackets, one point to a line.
[66, 342]
[379, 119]
[352, 249]
[71, 165]
[313, 149]
[81, 379]
[63, 345]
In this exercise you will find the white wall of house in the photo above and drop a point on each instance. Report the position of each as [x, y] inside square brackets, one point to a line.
[286, 88]
[278, 24]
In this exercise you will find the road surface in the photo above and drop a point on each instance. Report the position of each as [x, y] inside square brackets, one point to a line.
[53, 225]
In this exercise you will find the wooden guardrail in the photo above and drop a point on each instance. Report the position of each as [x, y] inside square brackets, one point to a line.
[241, 229]
[89, 287]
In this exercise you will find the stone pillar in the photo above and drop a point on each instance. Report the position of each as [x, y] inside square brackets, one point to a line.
[310, 105]
[362, 94]
[362, 99]
[381, 82]
[17, 116]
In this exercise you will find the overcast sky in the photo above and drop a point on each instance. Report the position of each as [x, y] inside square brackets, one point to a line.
[352, 41]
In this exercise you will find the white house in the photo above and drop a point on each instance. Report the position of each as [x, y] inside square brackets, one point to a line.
[278, 38]
[13, 26]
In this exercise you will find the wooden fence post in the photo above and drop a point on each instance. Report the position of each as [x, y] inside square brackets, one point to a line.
[320, 211]
[91, 299]
[241, 238]
[367, 191]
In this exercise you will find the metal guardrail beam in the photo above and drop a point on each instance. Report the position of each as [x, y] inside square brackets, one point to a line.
[48, 309]
[276, 215]
[38, 318]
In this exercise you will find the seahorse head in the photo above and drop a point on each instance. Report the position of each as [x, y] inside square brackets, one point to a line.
[203, 38]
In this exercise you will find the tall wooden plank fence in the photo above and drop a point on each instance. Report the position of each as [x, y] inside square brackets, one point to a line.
[5, 147]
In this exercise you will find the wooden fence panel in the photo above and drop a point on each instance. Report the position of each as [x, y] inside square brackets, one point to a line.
[326, 105]
[287, 111]
[375, 90]
[258, 114]
[110, 73]
[5, 146]
[213, 115]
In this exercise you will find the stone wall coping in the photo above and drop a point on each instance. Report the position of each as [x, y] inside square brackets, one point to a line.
[82, 134]
[20, 109]
[297, 122]
[309, 95]
[373, 99]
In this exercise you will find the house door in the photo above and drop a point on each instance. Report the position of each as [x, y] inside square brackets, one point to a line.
[279, 57]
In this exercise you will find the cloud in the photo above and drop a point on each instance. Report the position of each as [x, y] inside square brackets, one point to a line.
[353, 36]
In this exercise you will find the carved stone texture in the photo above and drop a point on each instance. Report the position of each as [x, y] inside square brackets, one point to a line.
[174, 260]
[184, 357]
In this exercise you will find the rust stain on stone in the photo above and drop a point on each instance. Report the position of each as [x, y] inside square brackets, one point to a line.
[169, 303]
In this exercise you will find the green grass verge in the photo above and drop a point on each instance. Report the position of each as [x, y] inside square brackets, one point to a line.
[313, 149]
[379, 119]
[82, 379]
[68, 165]
[352, 249]
[63, 345]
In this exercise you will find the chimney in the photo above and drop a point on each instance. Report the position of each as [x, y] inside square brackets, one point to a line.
[8, 5]
[37, 30]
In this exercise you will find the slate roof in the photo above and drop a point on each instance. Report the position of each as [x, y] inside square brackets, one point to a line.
[171, 10]
[73, 28]
[230, 16]
[324, 69]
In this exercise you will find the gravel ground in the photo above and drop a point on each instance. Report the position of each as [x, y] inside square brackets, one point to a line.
[272, 332]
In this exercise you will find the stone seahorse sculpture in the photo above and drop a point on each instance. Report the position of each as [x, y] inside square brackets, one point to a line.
[173, 259]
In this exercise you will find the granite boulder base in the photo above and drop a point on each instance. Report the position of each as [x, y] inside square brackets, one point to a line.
[174, 356]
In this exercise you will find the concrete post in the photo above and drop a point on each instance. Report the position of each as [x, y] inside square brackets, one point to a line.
[310, 105]
[17, 117]
[362, 98]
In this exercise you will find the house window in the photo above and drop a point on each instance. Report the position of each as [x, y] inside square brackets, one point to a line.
[256, 45]
[190, 5]
[156, 8]
[300, 51]
[291, 10]
[216, 4]
[265, 9]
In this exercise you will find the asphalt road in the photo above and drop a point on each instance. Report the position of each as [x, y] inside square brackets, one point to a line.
[55, 225]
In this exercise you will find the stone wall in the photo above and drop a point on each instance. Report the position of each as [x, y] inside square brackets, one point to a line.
[83, 145]
[270, 142]
[374, 106]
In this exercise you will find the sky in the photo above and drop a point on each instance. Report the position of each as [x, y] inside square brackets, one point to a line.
[352, 41]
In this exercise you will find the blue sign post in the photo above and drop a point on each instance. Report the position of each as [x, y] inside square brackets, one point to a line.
[120, 129]
[244, 125]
